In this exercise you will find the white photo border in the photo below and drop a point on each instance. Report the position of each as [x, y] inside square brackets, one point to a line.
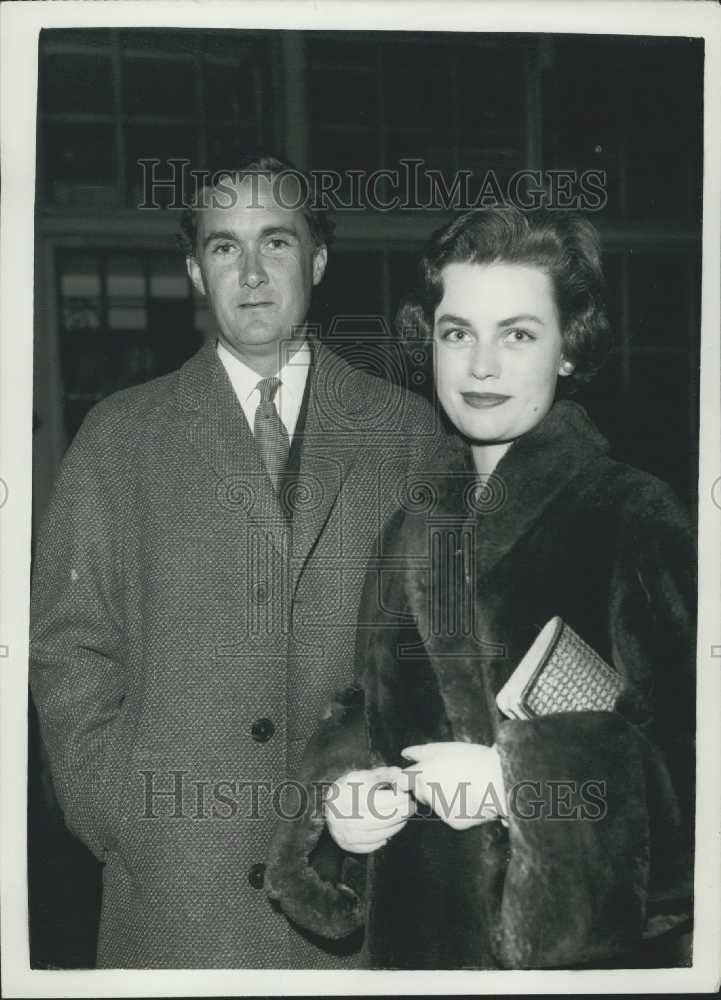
[21, 23]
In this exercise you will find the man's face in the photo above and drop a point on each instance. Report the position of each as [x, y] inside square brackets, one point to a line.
[256, 263]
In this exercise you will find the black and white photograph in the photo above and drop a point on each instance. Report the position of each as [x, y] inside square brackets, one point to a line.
[360, 498]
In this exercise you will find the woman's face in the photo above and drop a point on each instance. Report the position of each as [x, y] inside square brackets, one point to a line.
[497, 348]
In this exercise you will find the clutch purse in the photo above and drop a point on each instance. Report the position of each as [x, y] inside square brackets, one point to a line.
[559, 673]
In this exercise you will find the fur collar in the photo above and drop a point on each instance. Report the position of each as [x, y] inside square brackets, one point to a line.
[534, 470]
[505, 504]
[468, 532]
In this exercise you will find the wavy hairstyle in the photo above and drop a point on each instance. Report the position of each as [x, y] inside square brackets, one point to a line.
[564, 245]
[320, 224]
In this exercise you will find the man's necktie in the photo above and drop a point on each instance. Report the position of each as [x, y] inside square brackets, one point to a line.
[270, 434]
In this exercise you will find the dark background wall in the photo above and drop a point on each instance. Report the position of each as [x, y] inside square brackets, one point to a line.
[114, 307]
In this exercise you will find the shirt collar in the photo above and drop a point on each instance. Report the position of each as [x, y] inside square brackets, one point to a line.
[294, 373]
[245, 380]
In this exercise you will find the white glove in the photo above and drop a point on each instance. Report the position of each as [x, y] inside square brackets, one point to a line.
[461, 782]
[364, 809]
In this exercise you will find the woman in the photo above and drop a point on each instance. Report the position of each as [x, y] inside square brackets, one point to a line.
[561, 840]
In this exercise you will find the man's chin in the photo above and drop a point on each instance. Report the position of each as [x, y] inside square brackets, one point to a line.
[259, 340]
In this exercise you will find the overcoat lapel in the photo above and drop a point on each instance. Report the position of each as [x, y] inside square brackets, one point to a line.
[216, 426]
[328, 451]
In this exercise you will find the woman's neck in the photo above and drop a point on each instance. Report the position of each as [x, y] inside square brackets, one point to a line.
[487, 456]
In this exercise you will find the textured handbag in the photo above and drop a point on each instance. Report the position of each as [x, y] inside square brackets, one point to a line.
[559, 673]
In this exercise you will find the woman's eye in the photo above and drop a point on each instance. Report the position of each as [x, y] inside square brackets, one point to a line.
[455, 335]
[518, 336]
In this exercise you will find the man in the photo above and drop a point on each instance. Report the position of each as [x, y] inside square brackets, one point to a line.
[197, 585]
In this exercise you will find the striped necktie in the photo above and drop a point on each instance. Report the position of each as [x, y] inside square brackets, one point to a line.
[269, 431]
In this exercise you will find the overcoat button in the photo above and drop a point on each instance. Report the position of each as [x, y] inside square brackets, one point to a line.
[262, 730]
[256, 875]
[260, 593]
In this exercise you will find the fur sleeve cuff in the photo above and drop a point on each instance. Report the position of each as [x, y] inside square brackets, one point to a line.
[322, 905]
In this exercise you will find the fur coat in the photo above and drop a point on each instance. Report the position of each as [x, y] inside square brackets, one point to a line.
[461, 583]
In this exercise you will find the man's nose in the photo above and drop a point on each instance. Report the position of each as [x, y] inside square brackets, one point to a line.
[485, 361]
[252, 272]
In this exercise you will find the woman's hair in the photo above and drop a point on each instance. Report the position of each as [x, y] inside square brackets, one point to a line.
[562, 244]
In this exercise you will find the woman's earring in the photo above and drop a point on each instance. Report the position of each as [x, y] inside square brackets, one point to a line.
[566, 368]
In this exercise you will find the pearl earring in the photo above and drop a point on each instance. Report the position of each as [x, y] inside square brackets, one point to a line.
[566, 368]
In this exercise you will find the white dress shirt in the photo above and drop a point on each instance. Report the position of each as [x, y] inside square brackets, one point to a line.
[289, 395]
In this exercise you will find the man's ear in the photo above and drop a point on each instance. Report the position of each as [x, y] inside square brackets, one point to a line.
[320, 259]
[195, 274]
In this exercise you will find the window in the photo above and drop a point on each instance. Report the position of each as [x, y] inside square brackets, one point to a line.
[125, 317]
[108, 99]
[456, 102]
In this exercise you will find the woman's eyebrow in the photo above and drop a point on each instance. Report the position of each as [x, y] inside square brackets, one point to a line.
[521, 318]
[450, 318]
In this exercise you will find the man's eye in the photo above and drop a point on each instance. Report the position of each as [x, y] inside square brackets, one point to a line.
[223, 248]
[277, 243]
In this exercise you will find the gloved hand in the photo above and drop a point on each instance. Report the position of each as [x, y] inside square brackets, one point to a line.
[364, 809]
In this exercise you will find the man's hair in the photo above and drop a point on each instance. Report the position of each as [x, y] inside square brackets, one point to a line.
[564, 245]
[320, 224]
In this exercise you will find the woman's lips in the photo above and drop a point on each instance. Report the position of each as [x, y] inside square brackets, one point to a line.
[483, 400]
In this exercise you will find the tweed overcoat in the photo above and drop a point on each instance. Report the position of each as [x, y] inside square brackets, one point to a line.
[184, 641]
[594, 864]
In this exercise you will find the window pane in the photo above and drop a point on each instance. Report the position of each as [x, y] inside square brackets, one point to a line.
[171, 334]
[352, 287]
[80, 153]
[126, 293]
[355, 102]
[162, 142]
[168, 278]
[231, 92]
[202, 320]
[125, 278]
[417, 86]
[437, 157]
[75, 82]
[402, 267]
[491, 93]
[79, 284]
[344, 149]
[612, 269]
[227, 144]
[659, 300]
[604, 399]
[658, 417]
[642, 121]
[158, 86]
